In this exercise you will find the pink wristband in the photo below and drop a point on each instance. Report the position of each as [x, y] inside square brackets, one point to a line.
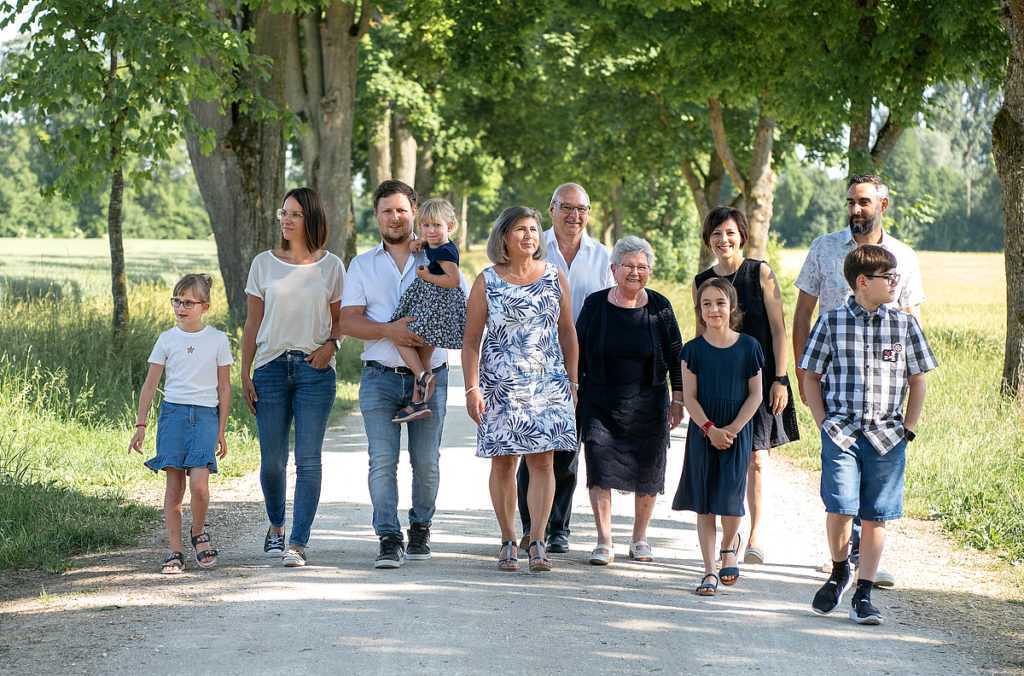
[141, 425]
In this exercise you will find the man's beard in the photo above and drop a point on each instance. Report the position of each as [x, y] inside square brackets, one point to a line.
[391, 239]
[864, 227]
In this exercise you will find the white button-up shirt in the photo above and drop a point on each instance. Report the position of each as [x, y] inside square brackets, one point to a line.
[591, 268]
[374, 281]
[822, 272]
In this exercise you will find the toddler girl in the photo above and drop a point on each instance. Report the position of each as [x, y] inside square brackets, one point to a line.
[197, 394]
[436, 300]
[721, 390]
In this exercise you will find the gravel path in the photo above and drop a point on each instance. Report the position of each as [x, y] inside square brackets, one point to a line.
[456, 613]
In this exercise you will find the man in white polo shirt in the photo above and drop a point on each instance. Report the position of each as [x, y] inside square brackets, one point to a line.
[587, 264]
[374, 283]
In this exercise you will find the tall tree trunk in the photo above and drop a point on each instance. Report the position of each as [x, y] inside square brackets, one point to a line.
[425, 169]
[380, 147]
[706, 190]
[403, 149]
[242, 179]
[1008, 149]
[118, 283]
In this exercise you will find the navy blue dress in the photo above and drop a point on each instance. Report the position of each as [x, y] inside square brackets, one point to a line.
[714, 481]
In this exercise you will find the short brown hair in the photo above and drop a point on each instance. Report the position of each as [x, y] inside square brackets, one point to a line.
[393, 187]
[314, 217]
[735, 314]
[196, 283]
[720, 215]
[496, 249]
[867, 259]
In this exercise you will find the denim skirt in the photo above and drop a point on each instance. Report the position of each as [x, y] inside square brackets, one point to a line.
[186, 437]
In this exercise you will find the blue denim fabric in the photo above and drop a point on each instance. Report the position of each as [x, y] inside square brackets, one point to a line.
[288, 389]
[186, 437]
[861, 481]
[381, 393]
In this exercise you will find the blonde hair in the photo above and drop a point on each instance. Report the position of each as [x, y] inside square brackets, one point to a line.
[197, 283]
[437, 210]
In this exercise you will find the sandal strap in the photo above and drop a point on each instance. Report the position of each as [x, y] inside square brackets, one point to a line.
[508, 552]
[206, 554]
[202, 538]
[175, 556]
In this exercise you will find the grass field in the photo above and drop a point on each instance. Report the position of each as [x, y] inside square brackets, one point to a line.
[67, 401]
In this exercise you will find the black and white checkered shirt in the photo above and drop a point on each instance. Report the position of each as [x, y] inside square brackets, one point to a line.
[866, 359]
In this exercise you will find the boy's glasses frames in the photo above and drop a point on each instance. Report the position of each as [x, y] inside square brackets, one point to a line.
[189, 304]
[893, 278]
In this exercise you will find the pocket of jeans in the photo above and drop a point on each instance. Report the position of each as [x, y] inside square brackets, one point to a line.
[318, 370]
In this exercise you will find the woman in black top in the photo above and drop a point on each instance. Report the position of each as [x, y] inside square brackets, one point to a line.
[725, 231]
[629, 341]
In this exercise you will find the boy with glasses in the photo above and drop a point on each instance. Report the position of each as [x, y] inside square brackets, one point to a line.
[862, 361]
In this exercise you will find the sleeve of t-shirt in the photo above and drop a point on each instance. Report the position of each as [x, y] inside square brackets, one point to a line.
[913, 289]
[809, 279]
[818, 351]
[252, 286]
[159, 353]
[354, 291]
[224, 357]
[920, 357]
[445, 252]
[339, 282]
[689, 355]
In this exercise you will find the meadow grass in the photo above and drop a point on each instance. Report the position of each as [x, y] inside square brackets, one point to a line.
[67, 401]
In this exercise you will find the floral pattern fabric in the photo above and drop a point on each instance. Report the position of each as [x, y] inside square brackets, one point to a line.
[527, 402]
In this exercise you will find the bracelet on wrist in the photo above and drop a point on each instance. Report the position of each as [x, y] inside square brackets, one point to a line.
[575, 386]
[677, 401]
[141, 425]
[706, 427]
[475, 387]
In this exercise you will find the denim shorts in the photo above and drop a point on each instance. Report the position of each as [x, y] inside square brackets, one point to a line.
[861, 481]
[186, 437]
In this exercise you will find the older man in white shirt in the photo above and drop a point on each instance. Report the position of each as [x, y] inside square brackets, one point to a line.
[587, 264]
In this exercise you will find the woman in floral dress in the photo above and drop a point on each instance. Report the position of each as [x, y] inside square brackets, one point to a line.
[521, 386]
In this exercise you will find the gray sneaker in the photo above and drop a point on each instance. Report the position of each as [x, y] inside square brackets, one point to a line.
[392, 552]
[419, 543]
[273, 544]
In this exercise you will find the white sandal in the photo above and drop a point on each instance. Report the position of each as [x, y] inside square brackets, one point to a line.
[640, 551]
[602, 555]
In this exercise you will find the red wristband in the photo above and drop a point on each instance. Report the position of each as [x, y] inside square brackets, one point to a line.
[706, 426]
[140, 425]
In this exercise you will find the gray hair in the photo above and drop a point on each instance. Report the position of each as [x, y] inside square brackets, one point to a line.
[496, 250]
[554, 195]
[881, 187]
[629, 245]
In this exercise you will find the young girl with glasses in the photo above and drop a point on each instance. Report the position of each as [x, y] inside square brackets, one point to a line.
[194, 413]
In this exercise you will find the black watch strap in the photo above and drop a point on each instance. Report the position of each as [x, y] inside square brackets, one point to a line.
[784, 379]
[909, 435]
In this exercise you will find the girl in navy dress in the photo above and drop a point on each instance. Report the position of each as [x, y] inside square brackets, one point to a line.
[436, 300]
[721, 390]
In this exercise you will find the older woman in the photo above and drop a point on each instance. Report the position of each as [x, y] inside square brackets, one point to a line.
[725, 231]
[521, 391]
[629, 340]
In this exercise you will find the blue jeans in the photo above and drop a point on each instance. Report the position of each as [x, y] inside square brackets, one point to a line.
[381, 393]
[862, 482]
[287, 389]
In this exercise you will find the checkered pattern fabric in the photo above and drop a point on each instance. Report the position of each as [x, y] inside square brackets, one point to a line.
[866, 359]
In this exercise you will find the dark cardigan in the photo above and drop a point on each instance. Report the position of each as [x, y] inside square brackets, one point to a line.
[665, 339]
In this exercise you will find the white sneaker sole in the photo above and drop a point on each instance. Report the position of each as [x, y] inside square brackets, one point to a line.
[388, 563]
[870, 619]
[417, 557]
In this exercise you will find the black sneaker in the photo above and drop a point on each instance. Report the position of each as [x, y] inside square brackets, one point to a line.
[828, 597]
[419, 543]
[392, 552]
[863, 612]
[273, 544]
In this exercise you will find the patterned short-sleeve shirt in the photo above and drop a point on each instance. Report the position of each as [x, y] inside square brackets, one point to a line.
[822, 272]
[867, 359]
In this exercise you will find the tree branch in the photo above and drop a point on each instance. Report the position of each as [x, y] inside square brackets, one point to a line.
[722, 146]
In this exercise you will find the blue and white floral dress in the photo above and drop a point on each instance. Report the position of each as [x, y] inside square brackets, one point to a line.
[528, 405]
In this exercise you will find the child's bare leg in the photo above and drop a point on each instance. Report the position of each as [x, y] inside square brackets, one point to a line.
[839, 528]
[199, 485]
[730, 531]
[706, 536]
[411, 357]
[174, 492]
[872, 542]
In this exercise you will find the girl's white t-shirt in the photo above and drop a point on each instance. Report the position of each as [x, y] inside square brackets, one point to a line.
[296, 303]
[190, 363]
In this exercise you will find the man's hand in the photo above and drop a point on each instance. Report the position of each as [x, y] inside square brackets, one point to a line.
[401, 335]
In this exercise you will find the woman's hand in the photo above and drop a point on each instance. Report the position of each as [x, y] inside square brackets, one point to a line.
[675, 415]
[721, 438]
[320, 358]
[475, 406]
[778, 397]
[249, 393]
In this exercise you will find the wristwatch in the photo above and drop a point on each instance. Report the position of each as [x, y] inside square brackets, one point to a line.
[784, 379]
[909, 435]
[337, 344]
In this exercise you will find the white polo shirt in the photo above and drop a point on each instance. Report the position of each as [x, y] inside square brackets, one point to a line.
[822, 272]
[374, 281]
[591, 268]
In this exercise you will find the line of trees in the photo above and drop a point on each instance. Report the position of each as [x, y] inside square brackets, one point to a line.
[663, 110]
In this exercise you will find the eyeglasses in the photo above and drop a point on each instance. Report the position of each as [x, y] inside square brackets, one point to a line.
[189, 304]
[567, 209]
[639, 269]
[294, 215]
[892, 277]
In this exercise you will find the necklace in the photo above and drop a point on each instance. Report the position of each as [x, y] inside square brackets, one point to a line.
[732, 278]
[509, 272]
[621, 302]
